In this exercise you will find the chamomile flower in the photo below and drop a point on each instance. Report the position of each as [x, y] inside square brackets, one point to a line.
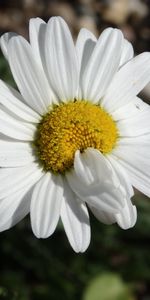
[76, 135]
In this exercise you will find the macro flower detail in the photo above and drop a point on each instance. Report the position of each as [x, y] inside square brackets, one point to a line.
[70, 127]
[76, 135]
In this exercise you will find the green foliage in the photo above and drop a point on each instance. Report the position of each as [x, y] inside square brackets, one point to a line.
[107, 286]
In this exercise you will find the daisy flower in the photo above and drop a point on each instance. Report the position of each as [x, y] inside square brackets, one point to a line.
[76, 135]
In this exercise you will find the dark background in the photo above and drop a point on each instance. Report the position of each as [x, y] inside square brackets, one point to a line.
[116, 265]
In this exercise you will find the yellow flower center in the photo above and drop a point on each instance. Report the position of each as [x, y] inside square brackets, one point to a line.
[73, 126]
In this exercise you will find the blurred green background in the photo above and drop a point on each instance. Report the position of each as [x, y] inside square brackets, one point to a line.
[116, 265]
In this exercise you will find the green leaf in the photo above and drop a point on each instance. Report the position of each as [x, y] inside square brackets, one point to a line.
[108, 286]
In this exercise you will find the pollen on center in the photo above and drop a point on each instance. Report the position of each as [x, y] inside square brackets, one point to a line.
[73, 126]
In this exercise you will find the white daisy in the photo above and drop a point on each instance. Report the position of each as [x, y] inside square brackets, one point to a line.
[76, 135]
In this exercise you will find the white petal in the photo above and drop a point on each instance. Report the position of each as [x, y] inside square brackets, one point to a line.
[15, 154]
[15, 179]
[135, 114]
[101, 196]
[136, 122]
[27, 74]
[104, 217]
[4, 42]
[134, 155]
[6, 138]
[130, 110]
[91, 166]
[13, 101]
[127, 217]
[127, 52]
[61, 60]
[16, 129]
[37, 28]
[102, 65]
[127, 83]
[137, 143]
[94, 182]
[45, 205]
[135, 126]
[14, 208]
[75, 218]
[135, 152]
[37, 31]
[122, 176]
[85, 44]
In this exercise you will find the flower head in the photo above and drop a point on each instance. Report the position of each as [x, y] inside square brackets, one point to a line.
[76, 135]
